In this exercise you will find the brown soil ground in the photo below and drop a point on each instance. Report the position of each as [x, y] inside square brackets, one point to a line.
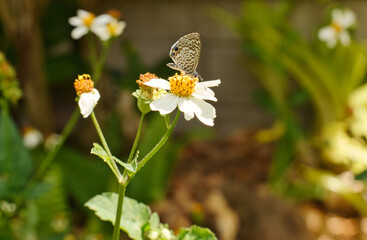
[223, 185]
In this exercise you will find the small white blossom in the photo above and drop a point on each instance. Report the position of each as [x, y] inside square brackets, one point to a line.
[32, 138]
[86, 21]
[166, 234]
[88, 101]
[341, 21]
[111, 29]
[188, 95]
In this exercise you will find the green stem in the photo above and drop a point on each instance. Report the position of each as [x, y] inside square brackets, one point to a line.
[102, 59]
[71, 122]
[116, 228]
[51, 155]
[167, 120]
[158, 145]
[92, 50]
[111, 163]
[138, 133]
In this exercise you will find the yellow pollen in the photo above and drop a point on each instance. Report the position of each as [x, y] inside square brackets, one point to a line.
[83, 84]
[336, 27]
[112, 28]
[146, 77]
[88, 19]
[182, 85]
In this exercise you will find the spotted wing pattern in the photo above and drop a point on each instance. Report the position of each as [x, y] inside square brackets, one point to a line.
[185, 54]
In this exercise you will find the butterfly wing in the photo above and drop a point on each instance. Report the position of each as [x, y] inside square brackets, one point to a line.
[185, 54]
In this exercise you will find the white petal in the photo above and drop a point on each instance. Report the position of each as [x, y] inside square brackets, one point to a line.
[344, 38]
[165, 104]
[75, 21]
[78, 32]
[120, 28]
[211, 83]
[204, 93]
[187, 107]
[96, 95]
[101, 20]
[348, 19]
[87, 102]
[102, 33]
[206, 112]
[82, 13]
[336, 15]
[327, 33]
[158, 83]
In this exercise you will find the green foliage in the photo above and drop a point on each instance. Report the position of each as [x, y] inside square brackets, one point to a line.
[134, 215]
[139, 222]
[100, 152]
[195, 232]
[52, 208]
[82, 177]
[286, 64]
[15, 161]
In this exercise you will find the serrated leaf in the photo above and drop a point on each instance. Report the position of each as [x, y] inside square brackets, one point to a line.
[134, 214]
[196, 233]
[99, 151]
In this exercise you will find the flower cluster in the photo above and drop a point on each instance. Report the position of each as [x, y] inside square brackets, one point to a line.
[88, 95]
[105, 26]
[146, 94]
[337, 30]
[188, 94]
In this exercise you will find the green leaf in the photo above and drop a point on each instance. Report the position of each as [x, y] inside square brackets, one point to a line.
[134, 214]
[131, 167]
[154, 220]
[99, 151]
[15, 160]
[196, 233]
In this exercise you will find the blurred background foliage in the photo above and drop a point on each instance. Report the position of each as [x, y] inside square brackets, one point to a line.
[315, 145]
[315, 94]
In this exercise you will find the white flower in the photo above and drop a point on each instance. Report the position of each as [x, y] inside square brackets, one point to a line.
[188, 94]
[32, 137]
[337, 30]
[88, 101]
[109, 30]
[85, 21]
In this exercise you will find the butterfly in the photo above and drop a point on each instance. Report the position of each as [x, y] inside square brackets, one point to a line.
[185, 54]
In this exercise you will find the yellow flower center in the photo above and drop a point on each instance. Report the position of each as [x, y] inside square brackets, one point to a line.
[88, 19]
[182, 85]
[336, 27]
[112, 28]
[83, 84]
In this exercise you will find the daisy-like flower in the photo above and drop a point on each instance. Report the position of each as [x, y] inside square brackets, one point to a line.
[32, 137]
[112, 28]
[86, 21]
[341, 21]
[88, 95]
[188, 94]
